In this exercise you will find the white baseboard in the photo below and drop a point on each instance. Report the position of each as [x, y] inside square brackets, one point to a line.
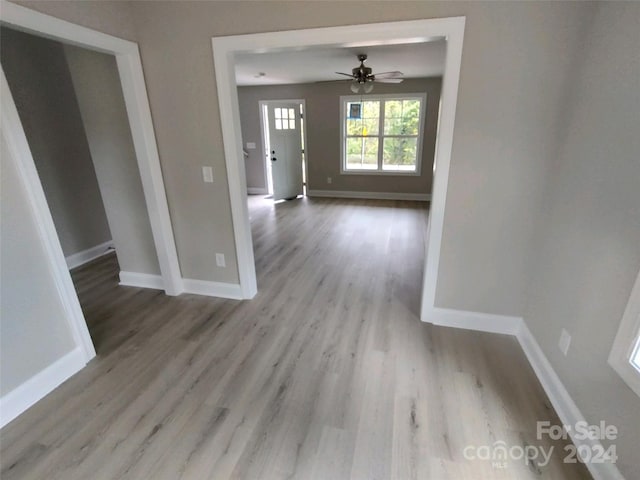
[142, 280]
[483, 322]
[562, 402]
[419, 197]
[213, 289]
[257, 191]
[565, 407]
[198, 287]
[21, 398]
[80, 258]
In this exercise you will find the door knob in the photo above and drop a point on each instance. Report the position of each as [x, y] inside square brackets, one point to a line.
[273, 159]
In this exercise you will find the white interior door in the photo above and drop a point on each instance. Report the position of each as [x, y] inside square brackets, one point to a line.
[285, 141]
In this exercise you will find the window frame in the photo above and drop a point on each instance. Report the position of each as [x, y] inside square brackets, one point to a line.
[344, 101]
[626, 341]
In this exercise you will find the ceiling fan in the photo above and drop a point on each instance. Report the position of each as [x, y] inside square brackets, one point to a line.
[363, 77]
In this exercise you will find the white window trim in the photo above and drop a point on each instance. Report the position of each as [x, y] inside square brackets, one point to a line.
[345, 99]
[626, 340]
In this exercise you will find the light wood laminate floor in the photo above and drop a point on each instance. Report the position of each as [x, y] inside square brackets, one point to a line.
[326, 374]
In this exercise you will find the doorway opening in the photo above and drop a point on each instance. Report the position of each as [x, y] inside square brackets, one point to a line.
[285, 141]
[129, 71]
[225, 51]
[71, 106]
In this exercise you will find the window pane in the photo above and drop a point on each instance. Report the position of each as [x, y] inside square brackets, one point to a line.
[367, 110]
[364, 127]
[371, 109]
[362, 153]
[292, 124]
[410, 108]
[367, 123]
[410, 125]
[393, 108]
[292, 113]
[354, 126]
[278, 124]
[402, 117]
[395, 126]
[370, 126]
[399, 154]
[278, 113]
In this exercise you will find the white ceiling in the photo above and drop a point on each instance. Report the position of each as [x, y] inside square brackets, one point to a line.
[415, 60]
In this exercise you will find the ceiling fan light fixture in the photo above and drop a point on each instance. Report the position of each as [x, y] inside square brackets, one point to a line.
[362, 78]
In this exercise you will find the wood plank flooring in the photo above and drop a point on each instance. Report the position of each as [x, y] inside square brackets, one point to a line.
[327, 374]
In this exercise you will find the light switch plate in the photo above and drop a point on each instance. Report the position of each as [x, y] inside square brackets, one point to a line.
[220, 261]
[207, 174]
[251, 146]
[564, 342]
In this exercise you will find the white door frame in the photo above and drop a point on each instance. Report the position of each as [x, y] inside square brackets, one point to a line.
[265, 141]
[224, 50]
[137, 103]
[266, 147]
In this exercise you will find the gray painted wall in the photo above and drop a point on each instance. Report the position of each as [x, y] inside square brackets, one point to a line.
[587, 253]
[97, 86]
[322, 121]
[41, 86]
[33, 334]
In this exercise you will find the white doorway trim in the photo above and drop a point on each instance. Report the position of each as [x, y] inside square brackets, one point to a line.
[266, 146]
[137, 103]
[21, 154]
[416, 31]
[265, 139]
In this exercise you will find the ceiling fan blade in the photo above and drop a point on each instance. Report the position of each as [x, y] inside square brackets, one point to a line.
[394, 74]
[345, 74]
[389, 80]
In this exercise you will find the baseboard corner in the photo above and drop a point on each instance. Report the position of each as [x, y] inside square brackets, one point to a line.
[80, 258]
[213, 289]
[141, 280]
[40, 385]
[482, 322]
[563, 404]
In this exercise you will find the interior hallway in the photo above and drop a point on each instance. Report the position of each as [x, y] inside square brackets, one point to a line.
[326, 374]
